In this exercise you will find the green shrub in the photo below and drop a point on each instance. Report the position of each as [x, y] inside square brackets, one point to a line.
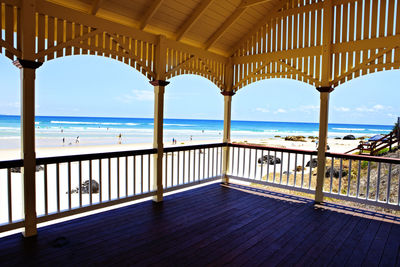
[364, 164]
[382, 151]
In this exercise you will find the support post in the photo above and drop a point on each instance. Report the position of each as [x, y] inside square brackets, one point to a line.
[324, 89]
[28, 66]
[322, 141]
[159, 88]
[227, 133]
[159, 84]
[227, 93]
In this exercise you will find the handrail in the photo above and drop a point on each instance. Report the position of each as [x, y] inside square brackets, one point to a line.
[363, 157]
[193, 147]
[11, 163]
[82, 157]
[374, 146]
[279, 149]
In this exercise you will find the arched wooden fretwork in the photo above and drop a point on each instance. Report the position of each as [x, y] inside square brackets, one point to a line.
[363, 37]
[58, 36]
[187, 63]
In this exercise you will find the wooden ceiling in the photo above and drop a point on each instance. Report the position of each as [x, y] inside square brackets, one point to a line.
[214, 25]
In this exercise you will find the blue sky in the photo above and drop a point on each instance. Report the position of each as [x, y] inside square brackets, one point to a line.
[97, 86]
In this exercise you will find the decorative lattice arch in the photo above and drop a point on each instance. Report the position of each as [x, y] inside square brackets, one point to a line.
[323, 43]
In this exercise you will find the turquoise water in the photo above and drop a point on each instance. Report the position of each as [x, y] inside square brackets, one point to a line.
[97, 130]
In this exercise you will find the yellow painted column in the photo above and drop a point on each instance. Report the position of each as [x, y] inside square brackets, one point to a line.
[322, 141]
[227, 133]
[159, 88]
[28, 154]
[28, 66]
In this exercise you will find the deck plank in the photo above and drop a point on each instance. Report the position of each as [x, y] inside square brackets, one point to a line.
[212, 225]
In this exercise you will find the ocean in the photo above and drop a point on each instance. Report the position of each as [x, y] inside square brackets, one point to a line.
[52, 130]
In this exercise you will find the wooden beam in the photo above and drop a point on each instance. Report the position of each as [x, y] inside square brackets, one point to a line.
[272, 56]
[61, 46]
[224, 27]
[374, 43]
[12, 2]
[150, 13]
[180, 66]
[360, 66]
[11, 49]
[210, 71]
[95, 6]
[249, 3]
[195, 50]
[299, 72]
[55, 10]
[250, 75]
[199, 10]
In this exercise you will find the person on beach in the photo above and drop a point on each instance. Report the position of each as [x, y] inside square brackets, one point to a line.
[77, 140]
[191, 138]
[63, 141]
[120, 138]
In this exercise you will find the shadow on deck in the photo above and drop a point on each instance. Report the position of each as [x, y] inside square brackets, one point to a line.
[215, 224]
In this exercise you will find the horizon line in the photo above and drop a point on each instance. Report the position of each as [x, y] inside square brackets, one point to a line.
[196, 119]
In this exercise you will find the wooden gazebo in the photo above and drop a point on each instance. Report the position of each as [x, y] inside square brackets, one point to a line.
[230, 42]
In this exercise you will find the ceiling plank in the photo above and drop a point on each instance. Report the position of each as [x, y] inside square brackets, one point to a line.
[95, 6]
[249, 3]
[150, 13]
[224, 27]
[199, 10]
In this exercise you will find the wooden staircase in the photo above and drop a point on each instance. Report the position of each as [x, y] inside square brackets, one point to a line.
[373, 147]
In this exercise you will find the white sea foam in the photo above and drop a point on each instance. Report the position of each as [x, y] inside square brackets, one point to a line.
[86, 122]
[9, 137]
[131, 124]
[349, 129]
[379, 130]
[9, 128]
[175, 124]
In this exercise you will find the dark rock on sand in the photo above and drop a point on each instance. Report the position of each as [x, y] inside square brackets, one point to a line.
[314, 163]
[269, 159]
[295, 138]
[349, 137]
[335, 172]
[85, 187]
[18, 169]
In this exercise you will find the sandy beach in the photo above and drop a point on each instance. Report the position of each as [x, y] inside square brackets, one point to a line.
[336, 146]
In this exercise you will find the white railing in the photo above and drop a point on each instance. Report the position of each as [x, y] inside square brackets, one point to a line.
[279, 167]
[365, 179]
[70, 185]
[74, 184]
[189, 165]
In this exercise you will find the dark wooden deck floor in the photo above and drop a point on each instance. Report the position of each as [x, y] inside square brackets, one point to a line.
[213, 225]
